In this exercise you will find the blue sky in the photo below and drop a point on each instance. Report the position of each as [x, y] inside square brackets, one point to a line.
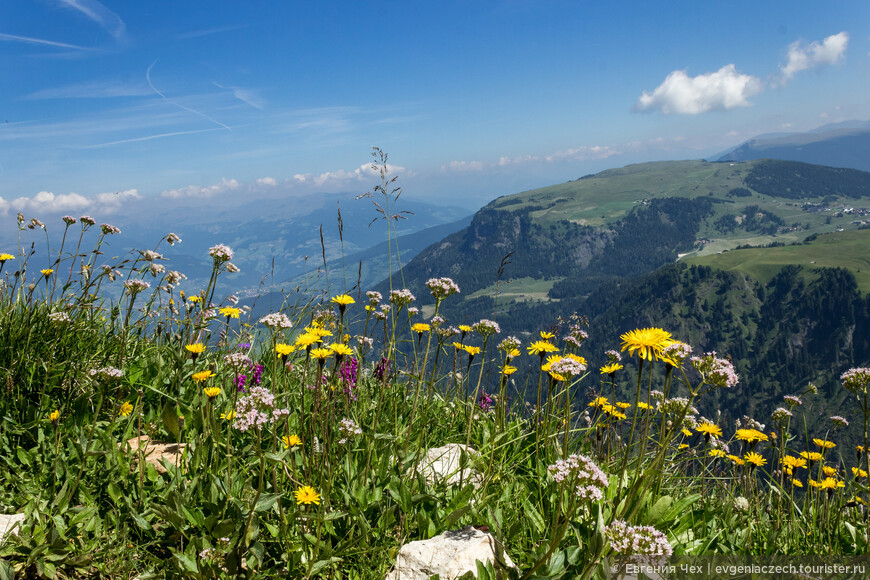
[115, 108]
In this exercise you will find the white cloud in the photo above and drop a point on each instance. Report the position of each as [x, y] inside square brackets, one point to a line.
[341, 177]
[462, 166]
[519, 160]
[29, 40]
[718, 91]
[583, 153]
[104, 17]
[48, 202]
[269, 181]
[225, 185]
[829, 51]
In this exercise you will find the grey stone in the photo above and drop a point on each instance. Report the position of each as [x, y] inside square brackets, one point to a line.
[450, 555]
[444, 464]
[8, 523]
[156, 452]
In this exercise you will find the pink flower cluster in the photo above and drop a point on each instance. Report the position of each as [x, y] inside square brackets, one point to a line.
[642, 540]
[856, 379]
[256, 409]
[718, 372]
[582, 472]
[276, 321]
[442, 287]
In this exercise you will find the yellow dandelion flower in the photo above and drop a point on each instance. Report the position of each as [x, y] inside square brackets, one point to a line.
[472, 350]
[306, 339]
[716, 453]
[647, 342]
[212, 392]
[831, 483]
[54, 416]
[599, 402]
[318, 332]
[754, 459]
[824, 444]
[541, 347]
[552, 359]
[796, 482]
[736, 460]
[343, 300]
[814, 483]
[508, 370]
[284, 349]
[709, 429]
[202, 376]
[306, 495]
[610, 369]
[644, 406]
[195, 348]
[829, 471]
[229, 416]
[126, 409]
[623, 405]
[514, 352]
[857, 472]
[47, 272]
[682, 446]
[321, 353]
[547, 335]
[464, 328]
[793, 462]
[750, 435]
[686, 432]
[195, 299]
[291, 440]
[811, 456]
[230, 312]
[4, 257]
[420, 327]
[341, 349]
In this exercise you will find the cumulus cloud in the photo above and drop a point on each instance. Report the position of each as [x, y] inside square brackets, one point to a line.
[462, 166]
[268, 181]
[47, 202]
[719, 91]
[505, 161]
[225, 185]
[340, 177]
[829, 51]
[583, 153]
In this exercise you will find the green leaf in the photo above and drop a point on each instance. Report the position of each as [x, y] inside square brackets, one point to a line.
[266, 501]
[321, 564]
[24, 457]
[534, 516]
[187, 562]
[658, 510]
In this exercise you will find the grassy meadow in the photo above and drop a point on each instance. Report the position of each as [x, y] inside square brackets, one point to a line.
[299, 434]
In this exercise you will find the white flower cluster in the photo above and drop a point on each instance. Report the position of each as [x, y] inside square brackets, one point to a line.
[257, 408]
[677, 351]
[172, 239]
[106, 373]
[486, 327]
[637, 540]
[108, 229]
[276, 321]
[220, 253]
[442, 287]
[580, 471]
[856, 379]
[151, 255]
[238, 360]
[59, 317]
[133, 287]
[348, 428]
[567, 367]
[374, 297]
[401, 297]
[719, 372]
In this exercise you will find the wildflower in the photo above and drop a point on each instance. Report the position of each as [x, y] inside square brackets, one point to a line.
[256, 409]
[610, 369]
[349, 428]
[172, 238]
[485, 402]
[581, 472]
[340, 349]
[343, 300]
[228, 416]
[106, 373]
[857, 472]
[374, 297]
[382, 369]
[792, 463]
[796, 482]
[709, 430]
[442, 287]
[59, 317]
[613, 356]
[754, 459]
[307, 339]
[811, 456]
[509, 344]
[643, 406]
[856, 379]
[291, 440]
[47, 272]
[541, 347]
[623, 405]
[471, 350]
[306, 495]
[750, 435]
[133, 287]
[831, 484]
[716, 453]
[599, 402]
[780, 414]
[613, 412]
[508, 370]
[202, 376]
[321, 353]
[195, 348]
[126, 409]
[648, 342]
[68, 220]
[401, 297]
[108, 229]
[718, 372]
[824, 444]
[220, 253]
[87, 220]
[230, 312]
[792, 401]
[231, 268]
[54, 416]
[193, 299]
[284, 349]
[839, 421]
[547, 335]
[486, 328]
[212, 392]
[5, 257]
[420, 327]
[632, 540]
[736, 460]
[675, 353]
[463, 328]
[829, 471]
[276, 321]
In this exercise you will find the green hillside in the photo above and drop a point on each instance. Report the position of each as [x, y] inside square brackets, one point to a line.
[848, 249]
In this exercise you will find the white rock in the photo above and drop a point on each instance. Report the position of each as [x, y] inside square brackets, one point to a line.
[449, 555]
[8, 524]
[444, 464]
[156, 452]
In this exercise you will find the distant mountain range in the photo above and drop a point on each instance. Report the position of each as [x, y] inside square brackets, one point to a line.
[841, 145]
